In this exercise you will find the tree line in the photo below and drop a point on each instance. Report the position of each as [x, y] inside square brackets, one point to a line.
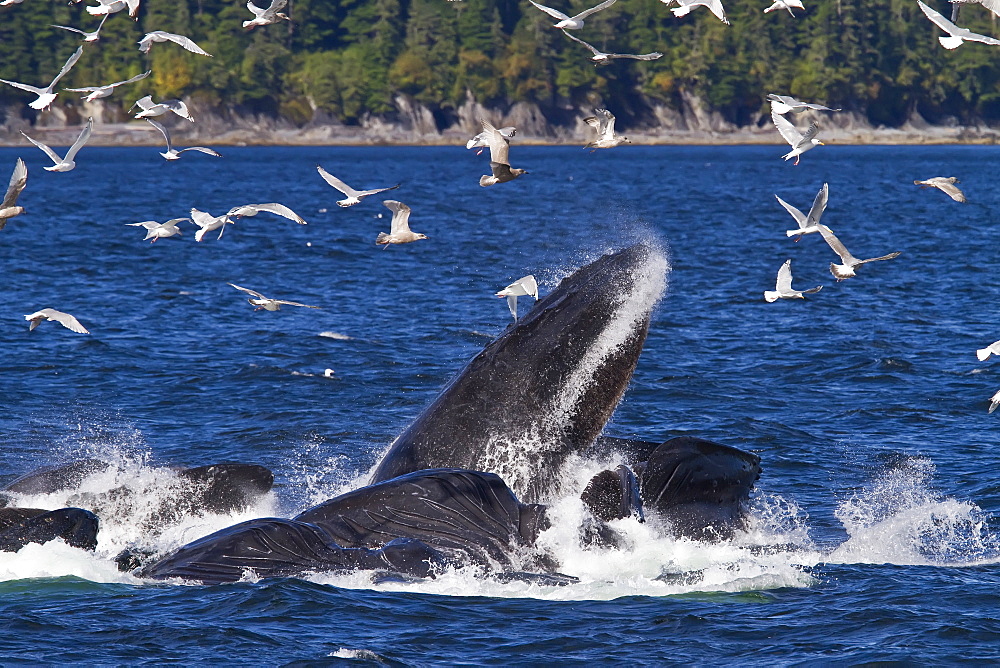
[349, 58]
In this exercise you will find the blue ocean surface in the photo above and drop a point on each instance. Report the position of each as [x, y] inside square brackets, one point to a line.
[880, 494]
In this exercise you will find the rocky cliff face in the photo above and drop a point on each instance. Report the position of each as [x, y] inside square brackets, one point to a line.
[691, 122]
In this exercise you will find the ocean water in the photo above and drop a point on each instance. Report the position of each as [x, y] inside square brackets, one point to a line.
[880, 494]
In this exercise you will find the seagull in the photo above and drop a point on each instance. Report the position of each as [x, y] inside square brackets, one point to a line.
[45, 95]
[64, 319]
[262, 302]
[114, 6]
[601, 58]
[945, 185]
[353, 196]
[575, 22]
[265, 17]
[499, 157]
[807, 224]
[480, 141]
[850, 263]
[783, 288]
[18, 179]
[604, 122]
[65, 164]
[984, 353]
[97, 92]
[173, 154]
[522, 287]
[955, 34]
[161, 36]
[783, 104]
[799, 142]
[715, 6]
[207, 222]
[994, 402]
[155, 230]
[992, 5]
[785, 4]
[87, 36]
[399, 231]
[149, 108]
[248, 210]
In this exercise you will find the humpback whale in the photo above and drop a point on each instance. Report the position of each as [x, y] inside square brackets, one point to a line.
[462, 484]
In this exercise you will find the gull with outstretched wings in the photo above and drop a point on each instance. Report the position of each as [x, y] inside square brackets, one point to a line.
[18, 180]
[602, 58]
[399, 229]
[783, 288]
[67, 163]
[499, 157]
[784, 104]
[173, 154]
[266, 303]
[45, 95]
[52, 315]
[161, 36]
[807, 223]
[604, 122]
[97, 92]
[353, 196]
[849, 262]
[799, 142]
[572, 22]
[265, 17]
[945, 185]
[522, 287]
[956, 35]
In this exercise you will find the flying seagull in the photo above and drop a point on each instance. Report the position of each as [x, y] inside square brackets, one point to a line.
[783, 104]
[173, 154]
[715, 6]
[955, 34]
[64, 319]
[353, 196]
[87, 36]
[399, 231]
[785, 4]
[155, 230]
[247, 210]
[161, 36]
[850, 263]
[18, 179]
[604, 122]
[265, 17]
[992, 5]
[945, 185]
[601, 58]
[807, 223]
[783, 288]
[114, 6]
[499, 157]
[984, 353]
[262, 302]
[522, 287]
[45, 95]
[575, 22]
[799, 142]
[97, 92]
[207, 222]
[149, 108]
[480, 140]
[65, 164]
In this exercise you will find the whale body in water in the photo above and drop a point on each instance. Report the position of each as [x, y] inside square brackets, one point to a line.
[465, 482]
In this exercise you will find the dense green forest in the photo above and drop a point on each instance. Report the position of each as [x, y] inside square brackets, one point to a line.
[347, 58]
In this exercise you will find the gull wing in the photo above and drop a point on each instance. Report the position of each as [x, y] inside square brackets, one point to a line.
[554, 13]
[137, 77]
[818, 206]
[77, 30]
[257, 11]
[784, 99]
[884, 257]
[64, 319]
[144, 103]
[18, 179]
[282, 301]
[67, 67]
[577, 39]
[400, 216]
[80, 141]
[992, 5]
[48, 151]
[784, 283]
[512, 305]
[30, 89]
[202, 149]
[365, 193]
[337, 183]
[149, 224]
[202, 218]
[638, 56]
[808, 136]
[587, 12]
[818, 107]
[271, 207]
[940, 21]
[187, 43]
[837, 246]
[529, 285]
[499, 146]
[799, 217]
[788, 131]
[248, 291]
[952, 191]
[276, 5]
[163, 131]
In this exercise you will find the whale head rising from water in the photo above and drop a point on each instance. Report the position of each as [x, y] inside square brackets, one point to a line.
[546, 387]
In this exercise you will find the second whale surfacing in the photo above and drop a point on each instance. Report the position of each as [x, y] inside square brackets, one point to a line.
[462, 485]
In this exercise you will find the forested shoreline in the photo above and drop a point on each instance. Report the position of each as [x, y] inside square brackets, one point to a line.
[353, 63]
